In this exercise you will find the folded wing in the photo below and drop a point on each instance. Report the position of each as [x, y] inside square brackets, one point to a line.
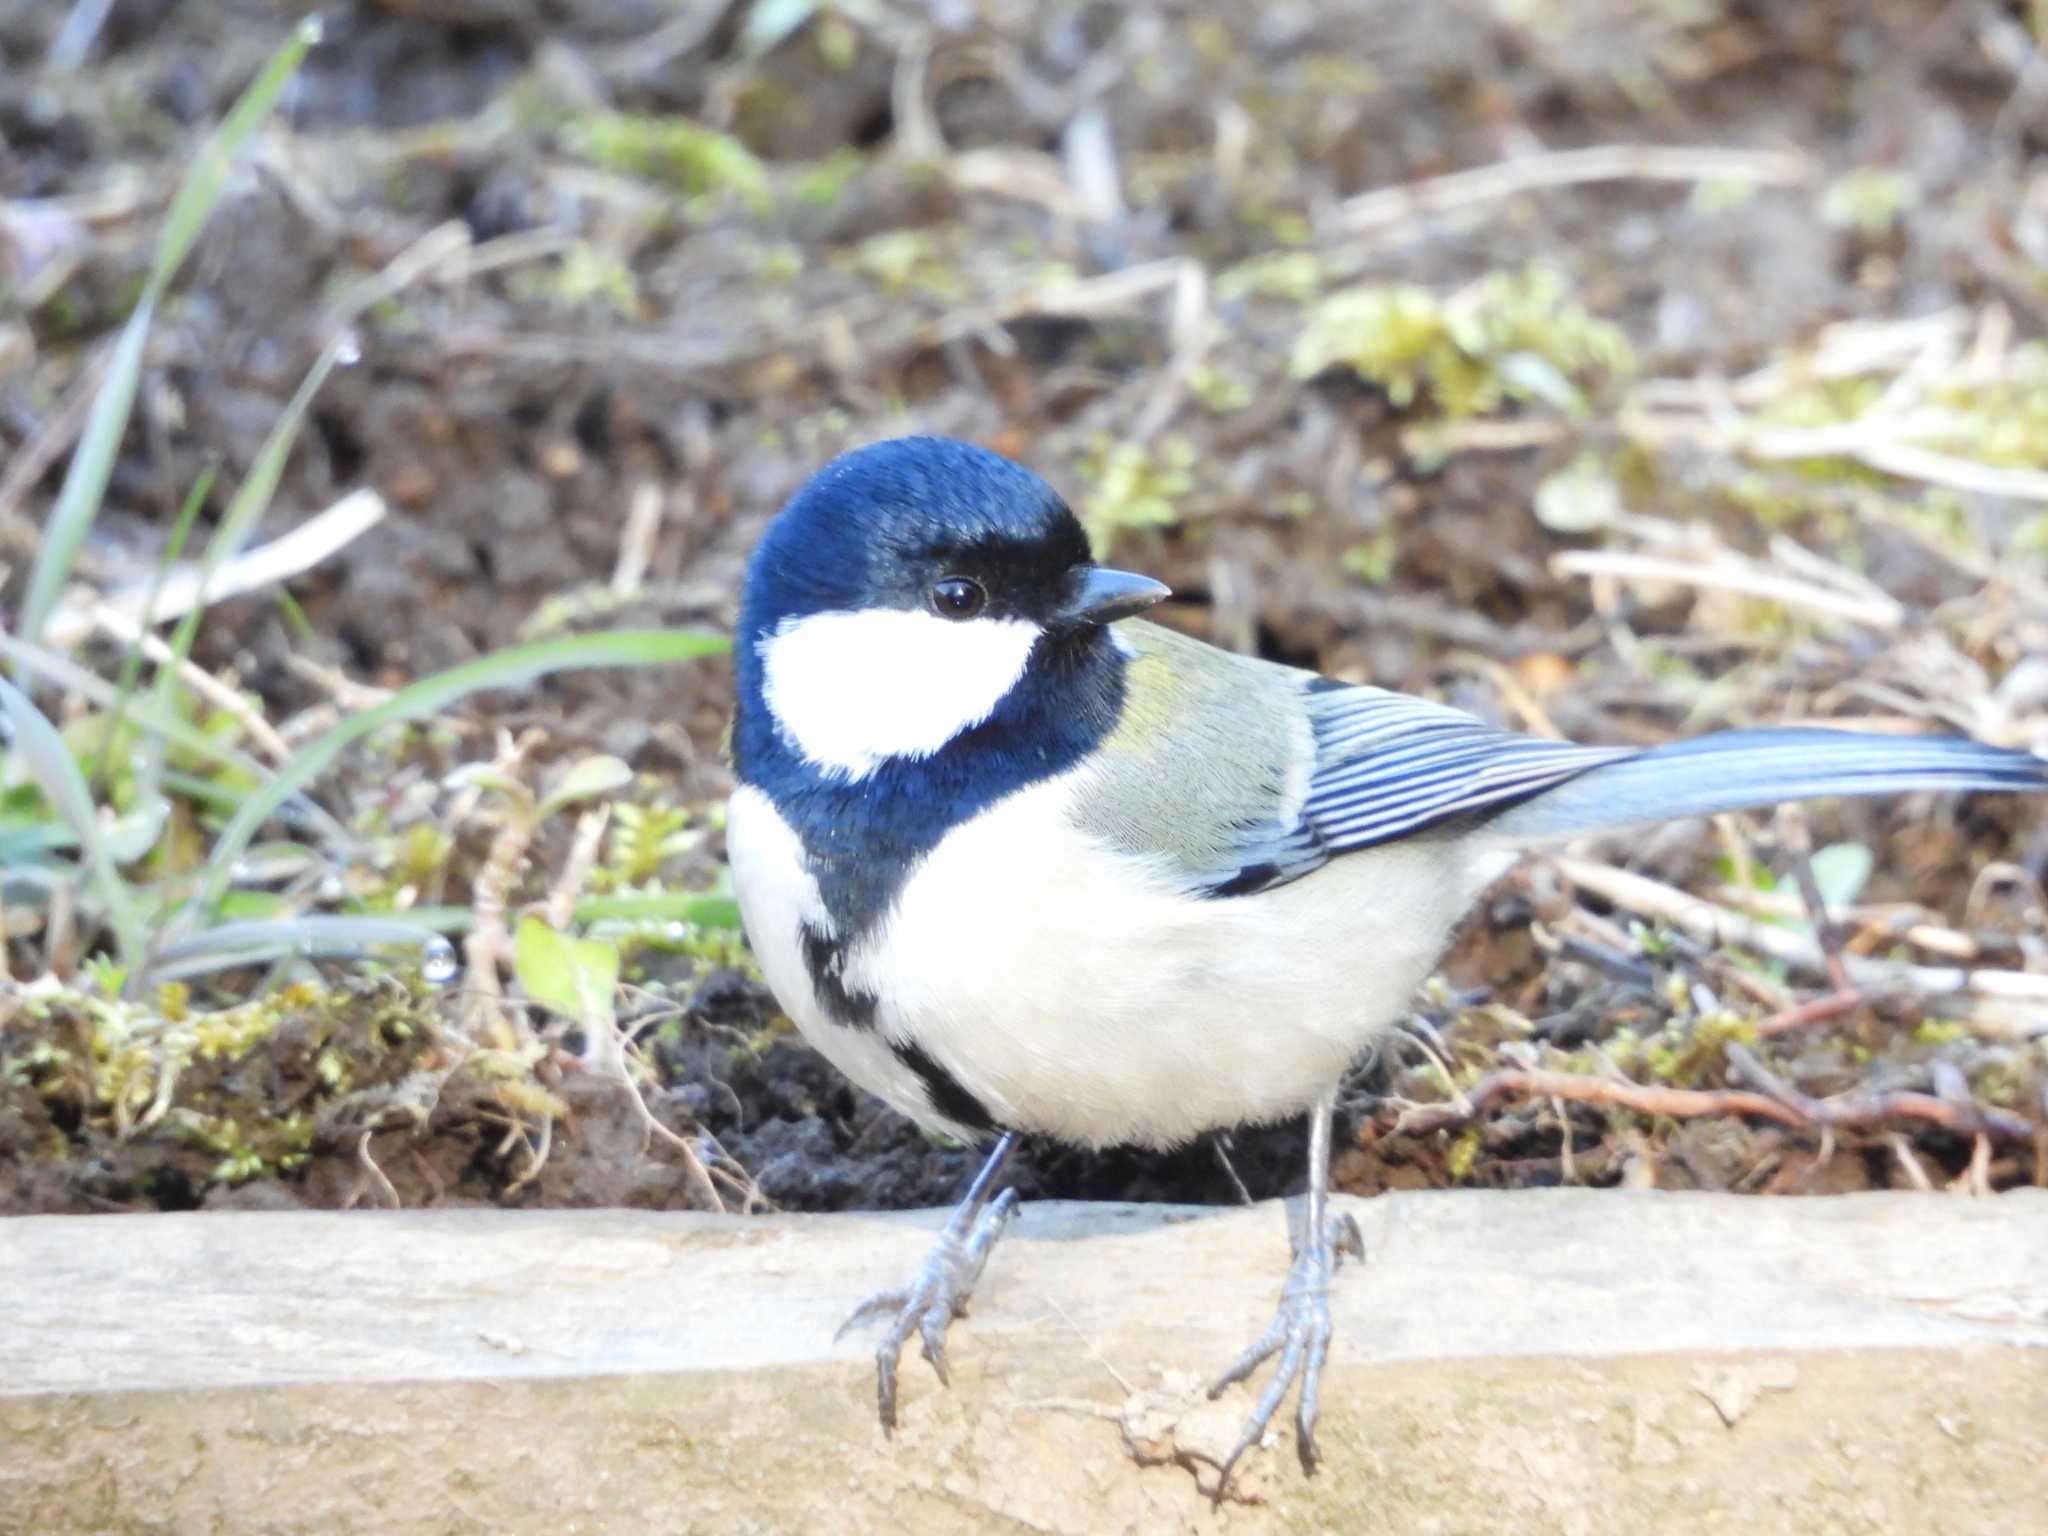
[1389, 766]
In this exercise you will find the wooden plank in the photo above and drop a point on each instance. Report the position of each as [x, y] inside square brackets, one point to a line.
[1558, 1353]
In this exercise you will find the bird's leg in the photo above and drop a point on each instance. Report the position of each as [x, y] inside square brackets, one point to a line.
[1300, 1331]
[940, 1289]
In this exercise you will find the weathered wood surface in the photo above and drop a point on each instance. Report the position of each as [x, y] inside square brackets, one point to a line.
[1562, 1360]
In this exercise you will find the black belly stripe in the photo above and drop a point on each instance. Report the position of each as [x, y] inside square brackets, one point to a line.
[948, 1095]
[825, 959]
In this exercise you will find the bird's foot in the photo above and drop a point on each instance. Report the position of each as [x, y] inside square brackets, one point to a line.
[938, 1293]
[1300, 1335]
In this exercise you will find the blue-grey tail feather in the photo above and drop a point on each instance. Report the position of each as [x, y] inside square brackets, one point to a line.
[1740, 770]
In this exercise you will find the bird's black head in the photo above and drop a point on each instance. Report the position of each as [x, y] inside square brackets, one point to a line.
[925, 524]
[906, 590]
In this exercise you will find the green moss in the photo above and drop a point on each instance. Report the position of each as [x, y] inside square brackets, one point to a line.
[586, 276]
[1296, 275]
[528, 1099]
[697, 161]
[709, 948]
[1683, 1052]
[1991, 416]
[1221, 389]
[1939, 1032]
[824, 184]
[2000, 420]
[909, 261]
[836, 40]
[134, 1082]
[1722, 195]
[1275, 224]
[1999, 1082]
[1458, 1162]
[1134, 485]
[1372, 560]
[417, 856]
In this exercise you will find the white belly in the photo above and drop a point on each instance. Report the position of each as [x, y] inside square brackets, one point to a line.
[1077, 993]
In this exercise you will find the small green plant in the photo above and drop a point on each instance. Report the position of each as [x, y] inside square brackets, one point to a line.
[1372, 559]
[643, 838]
[1869, 201]
[574, 977]
[92, 464]
[1509, 338]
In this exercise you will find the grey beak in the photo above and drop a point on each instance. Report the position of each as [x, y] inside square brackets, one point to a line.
[1099, 596]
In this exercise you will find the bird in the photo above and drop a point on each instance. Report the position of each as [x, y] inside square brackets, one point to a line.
[1023, 863]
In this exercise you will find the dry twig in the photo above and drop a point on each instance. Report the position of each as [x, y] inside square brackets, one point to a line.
[2010, 1000]
[373, 1176]
[1729, 574]
[230, 701]
[1371, 212]
[1784, 1105]
[702, 1190]
[318, 538]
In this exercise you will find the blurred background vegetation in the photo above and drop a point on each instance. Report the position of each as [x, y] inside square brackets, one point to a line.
[388, 400]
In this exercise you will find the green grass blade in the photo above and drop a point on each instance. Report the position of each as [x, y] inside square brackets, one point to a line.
[131, 662]
[53, 767]
[127, 837]
[250, 501]
[253, 497]
[187, 786]
[701, 909]
[435, 919]
[505, 669]
[309, 936]
[85, 479]
[20, 845]
[203, 183]
[92, 462]
[705, 909]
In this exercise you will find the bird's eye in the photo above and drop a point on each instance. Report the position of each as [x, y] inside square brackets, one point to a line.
[958, 598]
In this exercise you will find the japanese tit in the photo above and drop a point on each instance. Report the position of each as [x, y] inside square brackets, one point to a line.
[1021, 862]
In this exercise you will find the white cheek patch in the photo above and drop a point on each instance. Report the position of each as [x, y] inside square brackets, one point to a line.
[852, 690]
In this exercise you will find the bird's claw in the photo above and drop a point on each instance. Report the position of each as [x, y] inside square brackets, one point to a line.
[939, 1292]
[1300, 1335]
[1344, 1237]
